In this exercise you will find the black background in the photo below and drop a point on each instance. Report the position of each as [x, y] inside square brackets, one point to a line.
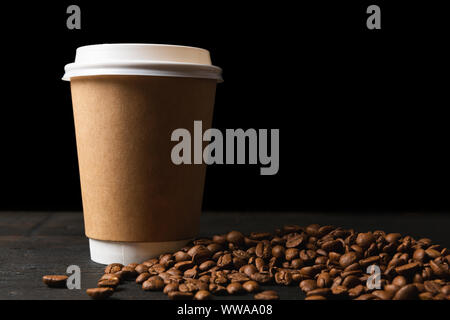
[362, 113]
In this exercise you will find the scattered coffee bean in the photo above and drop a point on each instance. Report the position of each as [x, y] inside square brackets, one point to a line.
[142, 277]
[408, 292]
[267, 295]
[113, 268]
[203, 295]
[170, 287]
[100, 293]
[316, 297]
[235, 288]
[235, 237]
[251, 286]
[108, 283]
[177, 295]
[55, 281]
[155, 283]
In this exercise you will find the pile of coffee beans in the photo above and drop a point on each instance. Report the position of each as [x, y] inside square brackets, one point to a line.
[325, 262]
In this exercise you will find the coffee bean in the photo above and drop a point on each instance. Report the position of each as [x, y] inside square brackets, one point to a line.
[214, 247]
[308, 285]
[347, 259]
[446, 290]
[193, 250]
[367, 296]
[391, 288]
[295, 240]
[219, 278]
[393, 237]
[206, 265]
[217, 289]
[188, 287]
[150, 262]
[364, 240]
[355, 291]
[202, 241]
[324, 230]
[127, 273]
[297, 263]
[238, 277]
[315, 297]
[439, 269]
[205, 278]
[262, 277]
[383, 295]
[263, 250]
[113, 268]
[408, 269]
[225, 261]
[333, 246]
[251, 286]
[260, 235]
[100, 293]
[351, 281]
[432, 286]
[426, 296]
[141, 268]
[201, 255]
[408, 292]
[307, 256]
[155, 283]
[291, 253]
[219, 238]
[110, 276]
[267, 295]
[419, 255]
[310, 271]
[248, 269]
[108, 283]
[420, 287]
[283, 277]
[353, 267]
[203, 295]
[55, 281]
[278, 251]
[417, 278]
[170, 287]
[324, 280]
[319, 292]
[177, 295]
[167, 260]
[400, 281]
[321, 260]
[181, 256]
[235, 288]
[183, 265]
[432, 253]
[132, 265]
[235, 237]
[191, 273]
[369, 261]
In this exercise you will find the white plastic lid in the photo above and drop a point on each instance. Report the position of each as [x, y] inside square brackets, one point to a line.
[143, 60]
[107, 252]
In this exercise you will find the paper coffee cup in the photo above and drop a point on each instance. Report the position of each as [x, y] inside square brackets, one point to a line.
[127, 100]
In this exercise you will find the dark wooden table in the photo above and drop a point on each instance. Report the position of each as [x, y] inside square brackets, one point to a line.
[36, 243]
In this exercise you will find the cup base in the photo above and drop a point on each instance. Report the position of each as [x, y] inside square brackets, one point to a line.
[107, 252]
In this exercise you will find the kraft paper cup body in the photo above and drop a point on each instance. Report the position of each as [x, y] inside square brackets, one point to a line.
[137, 204]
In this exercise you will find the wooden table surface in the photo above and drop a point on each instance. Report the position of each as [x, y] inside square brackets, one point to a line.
[33, 244]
